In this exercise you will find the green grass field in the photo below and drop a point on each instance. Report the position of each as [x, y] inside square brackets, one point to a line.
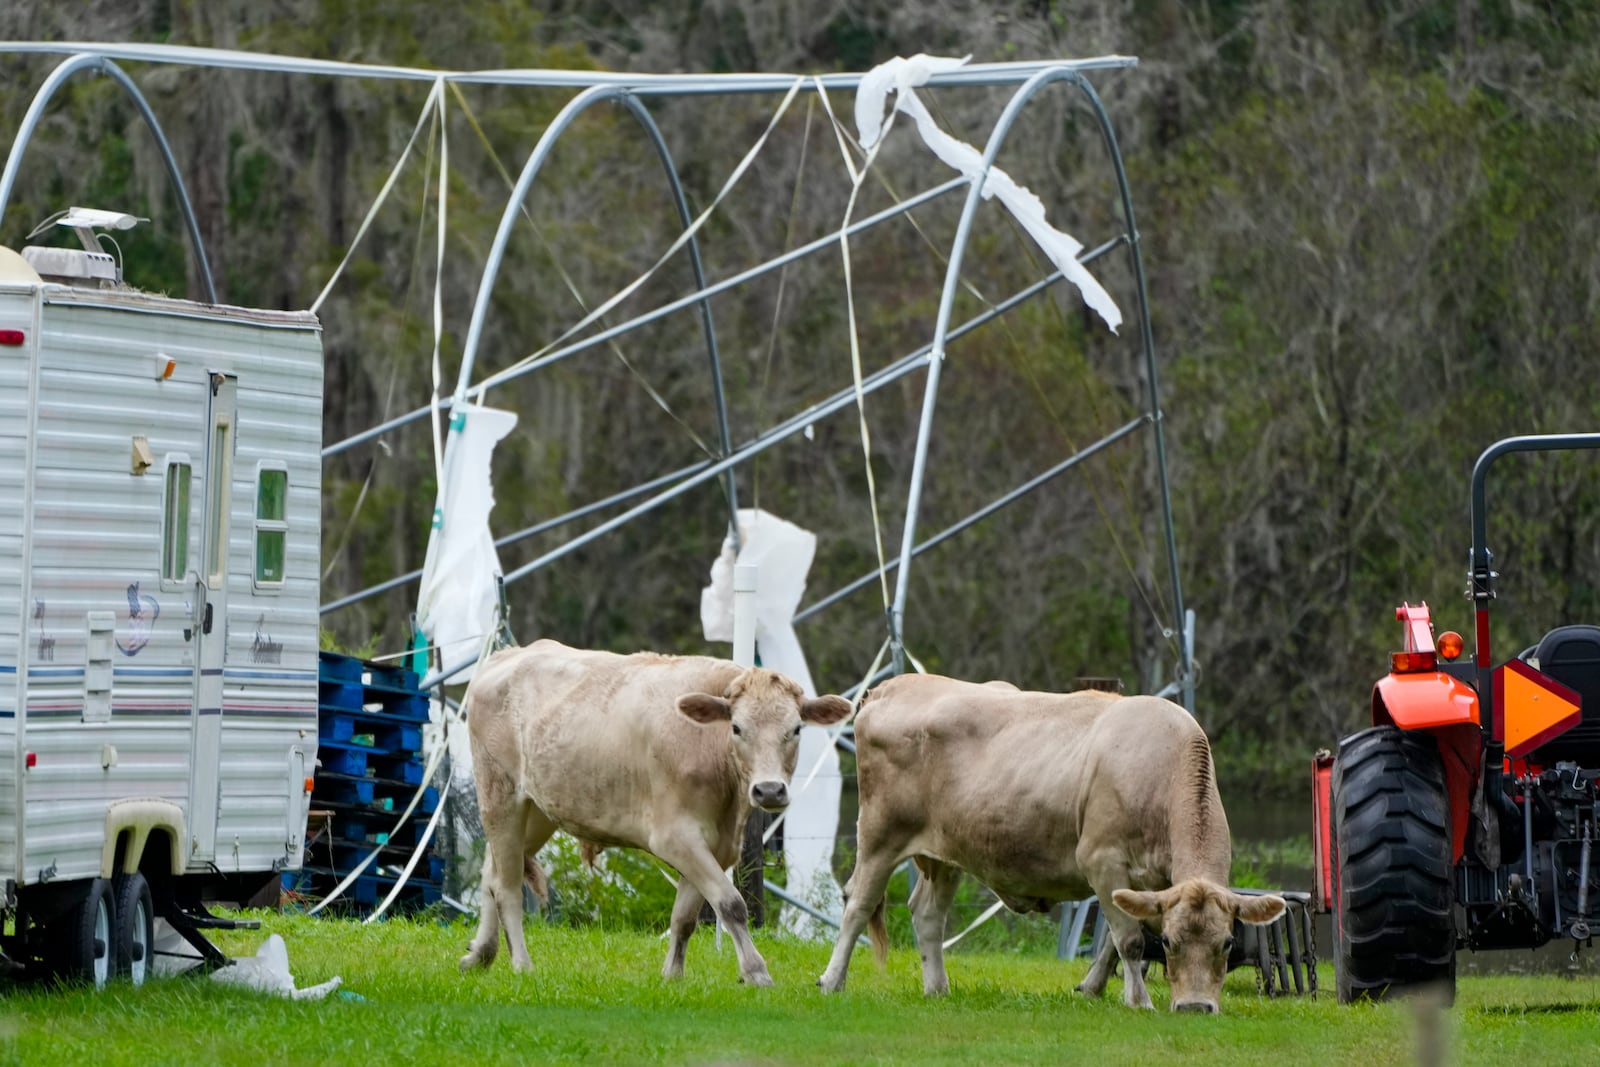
[596, 997]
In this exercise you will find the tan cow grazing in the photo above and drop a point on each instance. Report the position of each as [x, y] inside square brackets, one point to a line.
[1046, 797]
[663, 753]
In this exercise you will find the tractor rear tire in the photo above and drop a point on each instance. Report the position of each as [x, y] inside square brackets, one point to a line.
[1394, 882]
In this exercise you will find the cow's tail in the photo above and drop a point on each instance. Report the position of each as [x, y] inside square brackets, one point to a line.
[533, 874]
[878, 934]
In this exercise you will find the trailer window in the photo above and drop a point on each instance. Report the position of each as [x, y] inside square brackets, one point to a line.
[272, 527]
[175, 522]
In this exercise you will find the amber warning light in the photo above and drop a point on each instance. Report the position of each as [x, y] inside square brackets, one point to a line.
[1450, 644]
[1412, 662]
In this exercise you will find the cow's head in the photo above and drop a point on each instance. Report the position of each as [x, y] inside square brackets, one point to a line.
[1196, 921]
[766, 711]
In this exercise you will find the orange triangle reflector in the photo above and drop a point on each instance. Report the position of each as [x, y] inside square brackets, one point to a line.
[1531, 708]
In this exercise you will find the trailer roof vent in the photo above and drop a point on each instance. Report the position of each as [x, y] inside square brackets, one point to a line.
[73, 266]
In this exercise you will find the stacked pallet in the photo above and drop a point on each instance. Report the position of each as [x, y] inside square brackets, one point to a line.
[369, 752]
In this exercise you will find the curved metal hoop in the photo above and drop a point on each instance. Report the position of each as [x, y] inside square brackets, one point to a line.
[530, 171]
[941, 328]
[30, 121]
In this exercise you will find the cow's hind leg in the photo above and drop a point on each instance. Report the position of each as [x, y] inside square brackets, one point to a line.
[486, 942]
[1105, 963]
[502, 808]
[685, 849]
[930, 909]
[685, 917]
[864, 894]
[514, 845]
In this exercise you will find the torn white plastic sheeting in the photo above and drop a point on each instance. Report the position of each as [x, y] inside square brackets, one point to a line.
[457, 603]
[782, 551]
[266, 971]
[901, 76]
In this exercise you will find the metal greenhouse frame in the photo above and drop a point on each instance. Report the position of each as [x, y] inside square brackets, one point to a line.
[633, 92]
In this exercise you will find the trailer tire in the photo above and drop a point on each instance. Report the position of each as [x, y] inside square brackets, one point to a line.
[80, 940]
[1394, 887]
[135, 927]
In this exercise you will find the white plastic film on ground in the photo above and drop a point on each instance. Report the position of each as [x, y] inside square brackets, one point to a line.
[267, 971]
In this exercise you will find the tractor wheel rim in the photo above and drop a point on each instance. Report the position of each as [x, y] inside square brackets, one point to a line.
[140, 944]
[102, 942]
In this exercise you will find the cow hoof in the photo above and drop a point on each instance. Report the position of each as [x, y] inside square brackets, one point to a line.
[471, 962]
[1086, 990]
[830, 985]
[760, 978]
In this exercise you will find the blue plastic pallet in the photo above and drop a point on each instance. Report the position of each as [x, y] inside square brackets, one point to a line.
[366, 890]
[388, 736]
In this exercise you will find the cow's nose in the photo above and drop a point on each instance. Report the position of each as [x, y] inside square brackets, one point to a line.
[769, 795]
[1204, 1007]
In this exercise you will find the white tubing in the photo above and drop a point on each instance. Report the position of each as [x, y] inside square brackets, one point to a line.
[422, 846]
[745, 577]
[979, 921]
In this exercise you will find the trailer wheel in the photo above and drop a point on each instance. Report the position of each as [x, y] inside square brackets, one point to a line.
[135, 927]
[1394, 890]
[80, 940]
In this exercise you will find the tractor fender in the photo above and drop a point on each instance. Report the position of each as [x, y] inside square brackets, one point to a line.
[1446, 707]
[1423, 701]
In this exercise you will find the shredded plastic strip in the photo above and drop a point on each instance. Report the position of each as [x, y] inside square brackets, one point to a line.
[856, 178]
[901, 76]
[572, 286]
[990, 913]
[676, 246]
[383, 193]
[416, 855]
[337, 891]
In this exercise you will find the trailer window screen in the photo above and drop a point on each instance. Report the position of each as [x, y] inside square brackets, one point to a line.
[272, 527]
[175, 523]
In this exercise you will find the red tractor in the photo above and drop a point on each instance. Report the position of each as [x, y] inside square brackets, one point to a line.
[1465, 816]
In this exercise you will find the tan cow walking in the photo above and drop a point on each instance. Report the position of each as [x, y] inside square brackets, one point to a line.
[663, 753]
[1046, 797]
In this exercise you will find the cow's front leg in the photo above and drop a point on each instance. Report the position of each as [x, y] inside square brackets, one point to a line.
[930, 910]
[685, 917]
[1128, 935]
[687, 851]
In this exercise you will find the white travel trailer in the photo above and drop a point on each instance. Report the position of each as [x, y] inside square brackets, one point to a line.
[160, 485]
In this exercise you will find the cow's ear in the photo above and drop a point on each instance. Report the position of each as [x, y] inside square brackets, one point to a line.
[1139, 904]
[825, 711]
[1257, 910]
[705, 708]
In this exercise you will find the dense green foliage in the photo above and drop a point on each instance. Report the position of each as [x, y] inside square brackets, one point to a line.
[1370, 235]
[595, 996]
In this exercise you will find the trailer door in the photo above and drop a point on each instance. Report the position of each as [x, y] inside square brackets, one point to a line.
[212, 608]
